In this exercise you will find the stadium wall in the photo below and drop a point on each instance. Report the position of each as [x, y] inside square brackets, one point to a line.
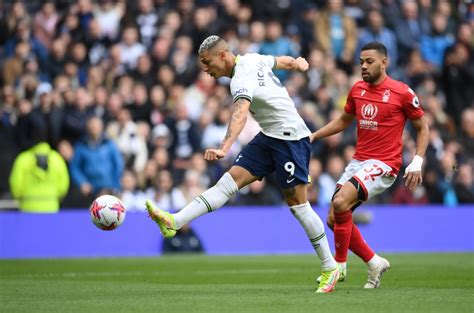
[232, 230]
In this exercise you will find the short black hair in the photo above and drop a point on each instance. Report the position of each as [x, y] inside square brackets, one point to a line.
[375, 45]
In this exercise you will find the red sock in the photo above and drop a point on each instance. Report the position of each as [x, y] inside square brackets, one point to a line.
[359, 246]
[342, 234]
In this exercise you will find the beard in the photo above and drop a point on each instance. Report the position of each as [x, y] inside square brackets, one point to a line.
[372, 77]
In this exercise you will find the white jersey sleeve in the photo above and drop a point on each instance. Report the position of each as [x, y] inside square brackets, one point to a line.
[243, 84]
[271, 106]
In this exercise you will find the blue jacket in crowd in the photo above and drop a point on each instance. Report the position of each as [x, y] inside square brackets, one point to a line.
[98, 163]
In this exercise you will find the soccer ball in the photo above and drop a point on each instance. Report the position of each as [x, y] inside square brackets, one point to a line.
[107, 212]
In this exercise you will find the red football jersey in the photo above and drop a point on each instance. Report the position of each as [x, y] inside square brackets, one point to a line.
[381, 112]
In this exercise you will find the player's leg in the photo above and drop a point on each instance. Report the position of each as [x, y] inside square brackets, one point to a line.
[357, 243]
[296, 197]
[372, 178]
[291, 160]
[209, 201]
[342, 203]
[253, 162]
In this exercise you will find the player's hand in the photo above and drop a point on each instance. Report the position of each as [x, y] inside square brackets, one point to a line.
[214, 154]
[301, 64]
[413, 174]
[312, 138]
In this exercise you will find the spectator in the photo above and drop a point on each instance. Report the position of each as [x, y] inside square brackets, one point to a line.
[277, 44]
[140, 107]
[17, 13]
[458, 79]
[158, 105]
[124, 132]
[130, 48]
[45, 22]
[185, 138]
[13, 67]
[163, 194]
[23, 34]
[56, 59]
[97, 165]
[132, 197]
[97, 43]
[464, 184]
[8, 146]
[143, 72]
[76, 115]
[434, 45]
[108, 15]
[39, 177]
[147, 20]
[336, 34]
[467, 133]
[50, 113]
[409, 29]
[376, 31]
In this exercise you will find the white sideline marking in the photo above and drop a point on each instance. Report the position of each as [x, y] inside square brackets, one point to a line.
[156, 273]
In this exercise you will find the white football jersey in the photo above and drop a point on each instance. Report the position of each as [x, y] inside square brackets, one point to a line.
[271, 106]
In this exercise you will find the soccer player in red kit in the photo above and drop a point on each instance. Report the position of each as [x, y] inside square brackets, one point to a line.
[381, 107]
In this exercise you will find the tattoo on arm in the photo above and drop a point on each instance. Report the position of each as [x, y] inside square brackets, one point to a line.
[237, 121]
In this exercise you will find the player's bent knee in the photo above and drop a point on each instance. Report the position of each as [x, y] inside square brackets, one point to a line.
[340, 204]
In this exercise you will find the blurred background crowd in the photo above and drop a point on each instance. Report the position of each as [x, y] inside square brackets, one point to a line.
[116, 88]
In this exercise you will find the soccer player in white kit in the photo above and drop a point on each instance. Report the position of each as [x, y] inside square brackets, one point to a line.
[381, 106]
[282, 145]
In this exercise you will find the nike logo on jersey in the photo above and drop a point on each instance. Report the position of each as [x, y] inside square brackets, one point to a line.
[290, 180]
[362, 92]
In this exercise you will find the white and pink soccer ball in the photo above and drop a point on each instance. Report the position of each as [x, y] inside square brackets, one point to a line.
[107, 212]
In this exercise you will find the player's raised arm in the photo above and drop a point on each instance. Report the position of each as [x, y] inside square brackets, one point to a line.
[236, 124]
[335, 126]
[413, 173]
[289, 63]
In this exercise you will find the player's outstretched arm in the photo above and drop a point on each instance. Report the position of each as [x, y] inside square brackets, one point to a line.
[236, 124]
[289, 63]
[335, 126]
[413, 173]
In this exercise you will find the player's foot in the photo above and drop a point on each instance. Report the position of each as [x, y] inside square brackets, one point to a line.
[375, 274]
[164, 220]
[342, 275]
[329, 280]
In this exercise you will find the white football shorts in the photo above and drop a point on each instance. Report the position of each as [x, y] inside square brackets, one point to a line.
[374, 176]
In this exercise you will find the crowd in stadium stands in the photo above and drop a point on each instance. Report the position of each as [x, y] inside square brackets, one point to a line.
[118, 88]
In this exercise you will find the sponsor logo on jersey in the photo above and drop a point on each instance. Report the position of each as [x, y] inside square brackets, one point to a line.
[362, 92]
[386, 95]
[369, 112]
[239, 92]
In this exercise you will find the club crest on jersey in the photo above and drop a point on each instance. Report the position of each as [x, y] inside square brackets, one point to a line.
[386, 95]
[369, 112]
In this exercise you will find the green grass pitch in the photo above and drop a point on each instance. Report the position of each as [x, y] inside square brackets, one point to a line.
[190, 283]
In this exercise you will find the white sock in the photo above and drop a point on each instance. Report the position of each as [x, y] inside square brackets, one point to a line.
[374, 262]
[314, 229]
[343, 265]
[209, 201]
